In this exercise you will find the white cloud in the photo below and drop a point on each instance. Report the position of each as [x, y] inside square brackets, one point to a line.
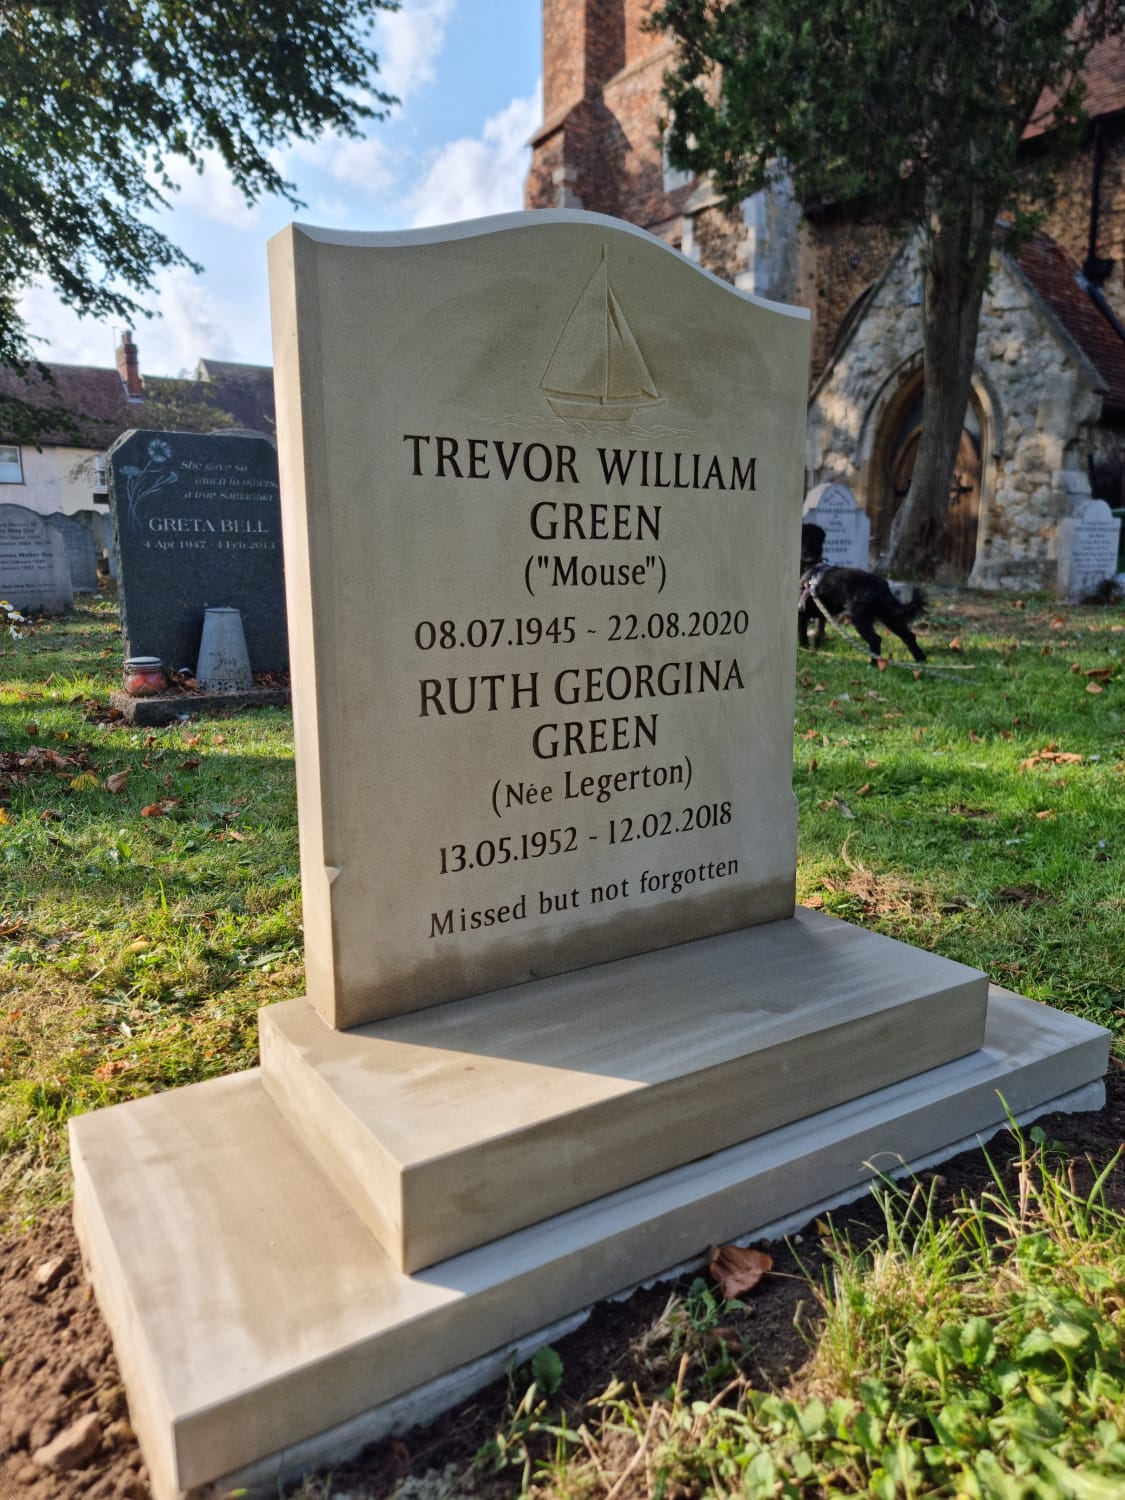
[211, 193]
[368, 164]
[193, 323]
[66, 338]
[473, 177]
[409, 42]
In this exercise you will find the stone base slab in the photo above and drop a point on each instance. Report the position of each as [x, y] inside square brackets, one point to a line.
[251, 1309]
[579, 1084]
[262, 1480]
[164, 708]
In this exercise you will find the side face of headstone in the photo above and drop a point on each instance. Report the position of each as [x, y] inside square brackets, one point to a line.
[847, 529]
[538, 478]
[34, 575]
[197, 523]
[1088, 543]
[81, 553]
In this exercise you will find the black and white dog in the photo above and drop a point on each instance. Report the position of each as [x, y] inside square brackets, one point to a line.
[851, 595]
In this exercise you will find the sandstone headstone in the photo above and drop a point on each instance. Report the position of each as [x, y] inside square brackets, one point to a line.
[1088, 543]
[540, 570]
[81, 552]
[847, 529]
[196, 523]
[34, 575]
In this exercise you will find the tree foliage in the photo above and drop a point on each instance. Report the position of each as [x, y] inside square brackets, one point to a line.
[100, 98]
[908, 113]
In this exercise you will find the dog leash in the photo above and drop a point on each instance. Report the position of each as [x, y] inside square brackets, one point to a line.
[809, 592]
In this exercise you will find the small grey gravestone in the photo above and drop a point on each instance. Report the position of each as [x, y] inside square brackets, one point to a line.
[197, 523]
[100, 526]
[34, 575]
[847, 529]
[1088, 543]
[81, 552]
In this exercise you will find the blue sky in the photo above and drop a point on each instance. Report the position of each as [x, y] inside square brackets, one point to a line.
[468, 75]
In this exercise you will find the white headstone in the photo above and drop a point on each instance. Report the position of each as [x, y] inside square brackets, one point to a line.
[1088, 543]
[34, 574]
[847, 529]
[539, 563]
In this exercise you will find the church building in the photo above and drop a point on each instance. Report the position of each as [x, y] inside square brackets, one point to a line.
[1045, 428]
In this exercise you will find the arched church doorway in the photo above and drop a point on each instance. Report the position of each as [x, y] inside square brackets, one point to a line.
[896, 455]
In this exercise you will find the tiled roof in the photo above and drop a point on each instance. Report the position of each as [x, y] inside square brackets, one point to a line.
[96, 398]
[1104, 74]
[1054, 274]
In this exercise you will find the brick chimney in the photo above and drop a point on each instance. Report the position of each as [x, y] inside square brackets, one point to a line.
[128, 367]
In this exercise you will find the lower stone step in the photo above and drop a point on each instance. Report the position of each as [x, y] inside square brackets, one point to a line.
[251, 1309]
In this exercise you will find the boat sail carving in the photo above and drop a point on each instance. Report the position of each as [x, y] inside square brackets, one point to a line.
[597, 373]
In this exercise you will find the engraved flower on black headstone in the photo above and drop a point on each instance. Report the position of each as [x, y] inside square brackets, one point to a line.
[141, 484]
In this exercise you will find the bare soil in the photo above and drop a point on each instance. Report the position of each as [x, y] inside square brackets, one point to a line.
[64, 1430]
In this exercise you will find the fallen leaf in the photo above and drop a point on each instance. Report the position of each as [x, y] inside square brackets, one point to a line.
[194, 763]
[107, 1070]
[1048, 812]
[140, 945]
[881, 663]
[150, 740]
[1046, 651]
[117, 782]
[31, 730]
[862, 791]
[1057, 623]
[975, 738]
[218, 739]
[4, 818]
[1094, 687]
[191, 740]
[737, 1270]
[1103, 674]
[158, 809]
[6, 930]
[955, 645]
[813, 763]
[84, 782]
[50, 815]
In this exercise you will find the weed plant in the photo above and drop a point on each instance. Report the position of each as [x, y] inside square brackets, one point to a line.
[979, 1354]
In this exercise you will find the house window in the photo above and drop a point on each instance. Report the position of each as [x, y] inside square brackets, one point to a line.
[11, 469]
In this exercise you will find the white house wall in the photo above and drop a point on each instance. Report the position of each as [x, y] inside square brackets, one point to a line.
[50, 483]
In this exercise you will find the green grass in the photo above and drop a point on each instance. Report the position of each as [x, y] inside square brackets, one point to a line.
[920, 816]
[975, 808]
[135, 950]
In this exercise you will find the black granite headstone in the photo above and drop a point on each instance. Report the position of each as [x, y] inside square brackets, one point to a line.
[197, 523]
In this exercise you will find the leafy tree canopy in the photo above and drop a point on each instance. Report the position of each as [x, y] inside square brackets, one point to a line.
[906, 112]
[99, 99]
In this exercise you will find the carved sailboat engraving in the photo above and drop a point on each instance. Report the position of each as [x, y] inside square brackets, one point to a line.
[597, 373]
